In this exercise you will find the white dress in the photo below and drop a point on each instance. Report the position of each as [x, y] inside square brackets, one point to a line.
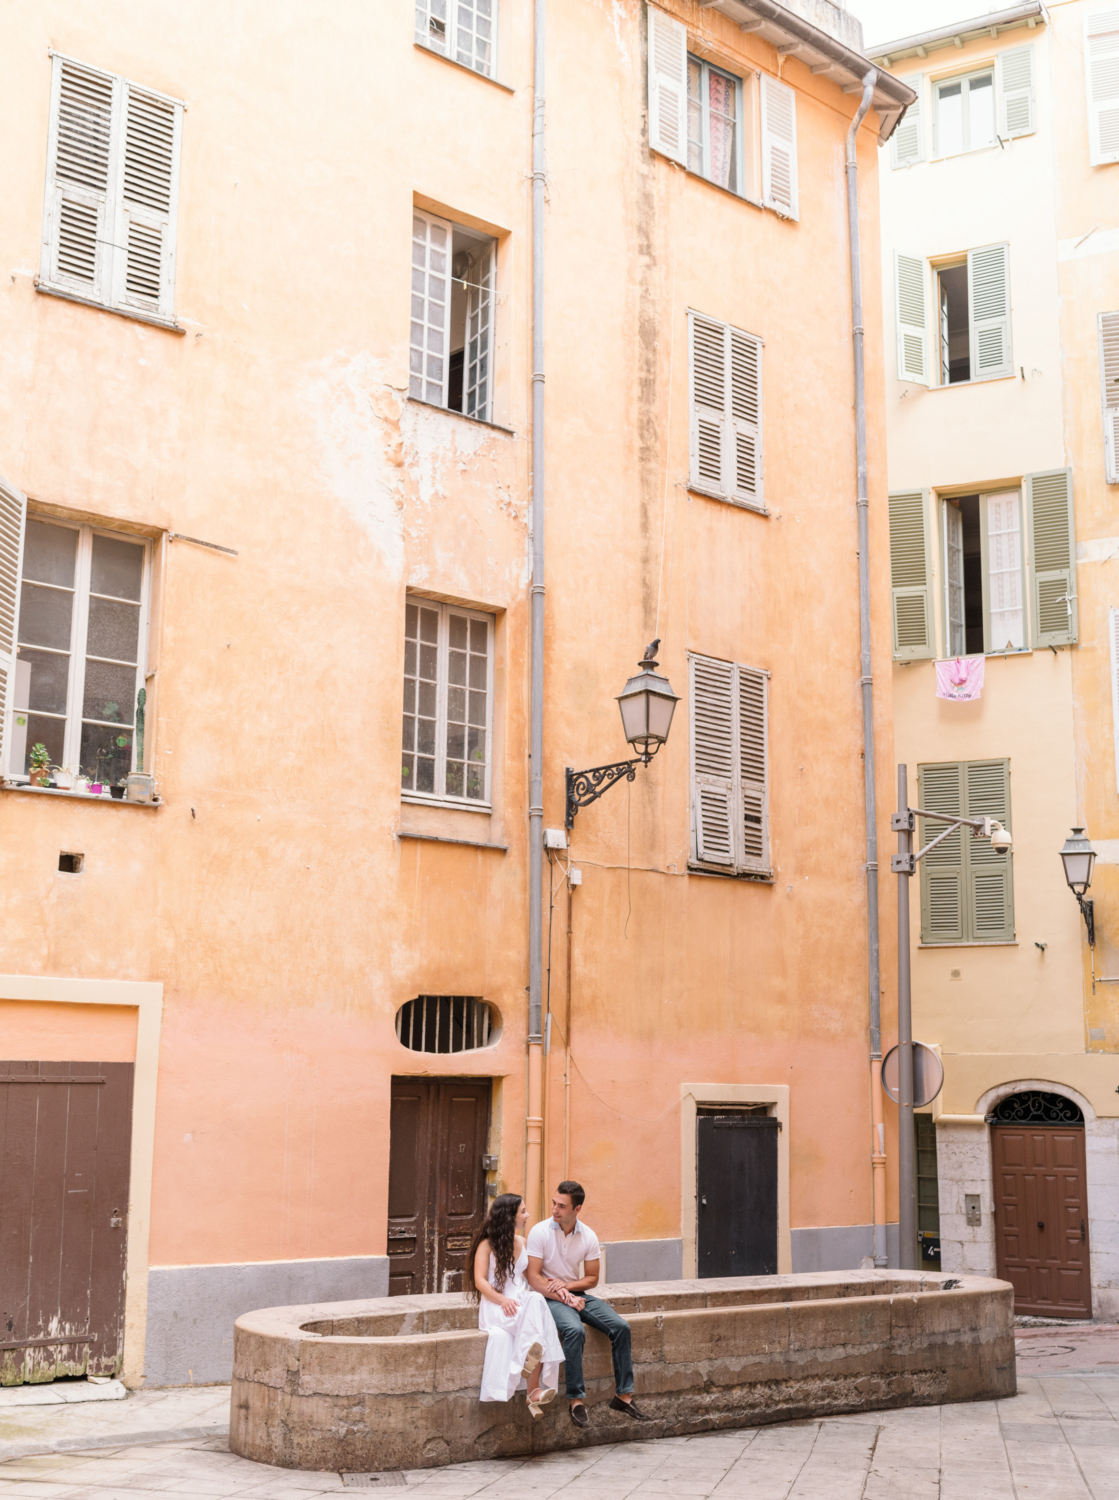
[511, 1338]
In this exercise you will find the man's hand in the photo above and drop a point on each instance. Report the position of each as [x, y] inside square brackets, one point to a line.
[556, 1286]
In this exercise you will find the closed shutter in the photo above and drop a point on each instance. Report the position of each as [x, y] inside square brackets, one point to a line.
[1052, 558]
[909, 576]
[1109, 381]
[908, 140]
[1113, 638]
[668, 85]
[78, 218]
[713, 761]
[779, 147]
[990, 899]
[13, 520]
[1101, 58]
[726, 393]
[753, 695]
[912, 325]
[1016, 92]
[943, 872]
[431, 308]
[152, 128]
[988, 292]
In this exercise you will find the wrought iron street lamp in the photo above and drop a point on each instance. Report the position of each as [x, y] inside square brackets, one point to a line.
[647, 703]
[1078, 858]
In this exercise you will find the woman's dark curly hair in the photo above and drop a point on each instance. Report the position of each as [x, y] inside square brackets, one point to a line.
[499, 1228]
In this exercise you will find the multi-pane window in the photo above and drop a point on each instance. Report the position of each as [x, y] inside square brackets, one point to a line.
[448, 698]
[714, 124]
[965, 113]
[984, 573]
[465, 30]
[80, 661]
[450, 354]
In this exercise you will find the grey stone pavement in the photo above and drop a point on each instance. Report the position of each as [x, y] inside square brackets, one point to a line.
[1057, 1439]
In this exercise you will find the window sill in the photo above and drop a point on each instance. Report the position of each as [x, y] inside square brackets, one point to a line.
[460, 416]
[963, 385]
[994, 943]
[758, 877]
[719, 188]
[440, 838]
[758, 510]
[134, 314]
[465, 67]
[459, 804]
[52, 791]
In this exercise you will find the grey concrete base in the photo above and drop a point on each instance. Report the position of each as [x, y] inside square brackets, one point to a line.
[838, 1247]
[192, 1309]
[644, 1260]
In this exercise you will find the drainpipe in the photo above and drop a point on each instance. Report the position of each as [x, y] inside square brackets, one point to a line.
[878, 1149]
[534, 1134]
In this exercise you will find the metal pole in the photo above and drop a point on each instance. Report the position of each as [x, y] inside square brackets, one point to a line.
[907, 1142]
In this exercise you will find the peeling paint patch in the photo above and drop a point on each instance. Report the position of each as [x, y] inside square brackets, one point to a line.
[1103, 549]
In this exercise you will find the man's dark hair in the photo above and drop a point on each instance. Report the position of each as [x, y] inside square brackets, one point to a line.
[574, 1191]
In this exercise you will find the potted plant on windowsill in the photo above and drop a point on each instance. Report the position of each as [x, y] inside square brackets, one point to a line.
[39, 764]
[63, 778]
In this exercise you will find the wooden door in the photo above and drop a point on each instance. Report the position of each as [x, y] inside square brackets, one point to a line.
[1041, 1218]
[65, 1138]
[437, 1182]
[736, 1193]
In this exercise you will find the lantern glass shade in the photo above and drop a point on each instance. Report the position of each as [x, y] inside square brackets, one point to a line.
[1078, 857]
[647, 703]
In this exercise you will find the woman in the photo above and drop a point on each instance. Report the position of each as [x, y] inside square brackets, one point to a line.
[522, 1332]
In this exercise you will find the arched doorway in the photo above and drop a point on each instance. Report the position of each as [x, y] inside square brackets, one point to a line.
[1041, 1203]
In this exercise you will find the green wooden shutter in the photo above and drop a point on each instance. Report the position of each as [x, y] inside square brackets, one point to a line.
[988, 295]
[940, 788]
[909, 576]
[990, 892]
[1053, 620]
[912, 326]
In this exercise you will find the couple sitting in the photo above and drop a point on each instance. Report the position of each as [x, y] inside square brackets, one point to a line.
[533, 1303]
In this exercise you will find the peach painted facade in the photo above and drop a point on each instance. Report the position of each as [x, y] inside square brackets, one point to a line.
[281, 901]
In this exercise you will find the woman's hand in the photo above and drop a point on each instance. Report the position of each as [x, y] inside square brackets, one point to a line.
[508, 1306]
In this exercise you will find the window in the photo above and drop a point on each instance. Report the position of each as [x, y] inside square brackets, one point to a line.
[984, 578]
[465, 30]
[730, 766]
[1109, 390]
[112, 186]
[714, 124]
[725, 375]
[448, 698]
[973, 317]
[967, 890]
[82, 629]
[453, 273]
[447, 1023]
[965, 113]
[907, 143]
[1101, 60]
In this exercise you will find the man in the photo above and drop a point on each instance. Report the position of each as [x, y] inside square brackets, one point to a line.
[556, 1249]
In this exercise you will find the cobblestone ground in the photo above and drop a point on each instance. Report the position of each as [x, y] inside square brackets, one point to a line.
[1057, 1439]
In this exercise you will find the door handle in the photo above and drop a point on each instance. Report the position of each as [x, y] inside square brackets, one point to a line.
[703, 1200]
[1041, 1223]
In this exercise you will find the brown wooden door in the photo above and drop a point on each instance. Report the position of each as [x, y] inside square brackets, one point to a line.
[437, 1182]
[65, 1136]
[1041, 1218]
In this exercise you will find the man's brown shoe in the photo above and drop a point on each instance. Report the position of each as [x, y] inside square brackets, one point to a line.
[630, 1410]
[579, 1415]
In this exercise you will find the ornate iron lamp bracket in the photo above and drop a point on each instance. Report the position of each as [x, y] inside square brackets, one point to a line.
[1088, 911]
[585, 787]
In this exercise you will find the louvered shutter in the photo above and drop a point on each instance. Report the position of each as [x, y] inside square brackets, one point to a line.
[13, 521]
[79, 216]
[1101, 57]
[779, 147]
[429, 346]
[912, 325]
[990, 896]
[743, 461]
[726, 393]
[1052, 558]
[988, 291]
[1109, 381]
[908, 140]
[909, 576]
[1113, 639]
[753, 712]
[1016, 92]
[943, 872]
[668, 85]
[149, 194]
[714, 815]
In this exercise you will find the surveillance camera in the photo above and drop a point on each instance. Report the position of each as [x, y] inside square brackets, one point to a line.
[1000, 839]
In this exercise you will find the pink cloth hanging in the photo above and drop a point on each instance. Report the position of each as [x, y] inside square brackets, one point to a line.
[961, 678]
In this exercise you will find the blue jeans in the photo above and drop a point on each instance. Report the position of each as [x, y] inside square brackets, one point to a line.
[602, 1316]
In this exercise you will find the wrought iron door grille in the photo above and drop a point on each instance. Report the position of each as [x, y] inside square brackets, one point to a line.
[445, 1023]
[1036, 1108]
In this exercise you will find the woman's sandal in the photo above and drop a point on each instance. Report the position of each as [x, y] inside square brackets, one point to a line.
[532, 1359]
[536, 1406]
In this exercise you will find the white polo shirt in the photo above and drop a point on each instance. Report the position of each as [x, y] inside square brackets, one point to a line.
[562, 1255]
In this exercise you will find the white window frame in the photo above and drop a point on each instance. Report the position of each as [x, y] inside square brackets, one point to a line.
[481, 301]
[79, 625]
[989, 648]
[426, 29]
[706, 69]
[964, 79]
[439, 796]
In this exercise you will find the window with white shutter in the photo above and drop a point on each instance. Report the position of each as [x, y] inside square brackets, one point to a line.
[463, 30]
[730, 766]
[1101, 60]
[13, 519]
[725, 370]
[453, 299]
[967, 890]
[779, 147]
[988, 278]
[1016, 92]
[109, 219]
[907, 144]
[668, 85]
[912, 325]
[1109, 388]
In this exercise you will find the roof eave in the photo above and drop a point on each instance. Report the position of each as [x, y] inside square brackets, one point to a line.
[1029, 15]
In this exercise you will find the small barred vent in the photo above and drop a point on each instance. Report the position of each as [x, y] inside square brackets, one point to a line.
[446, 1023]
[1036, 1108]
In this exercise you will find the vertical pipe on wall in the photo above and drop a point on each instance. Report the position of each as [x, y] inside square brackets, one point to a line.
[907, 1141]
[878, 1159]
[534, 1133]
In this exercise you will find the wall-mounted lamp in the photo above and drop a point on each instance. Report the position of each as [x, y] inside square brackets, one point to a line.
[1078, 858]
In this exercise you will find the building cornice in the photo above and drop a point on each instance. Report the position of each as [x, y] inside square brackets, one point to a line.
[993, 25]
